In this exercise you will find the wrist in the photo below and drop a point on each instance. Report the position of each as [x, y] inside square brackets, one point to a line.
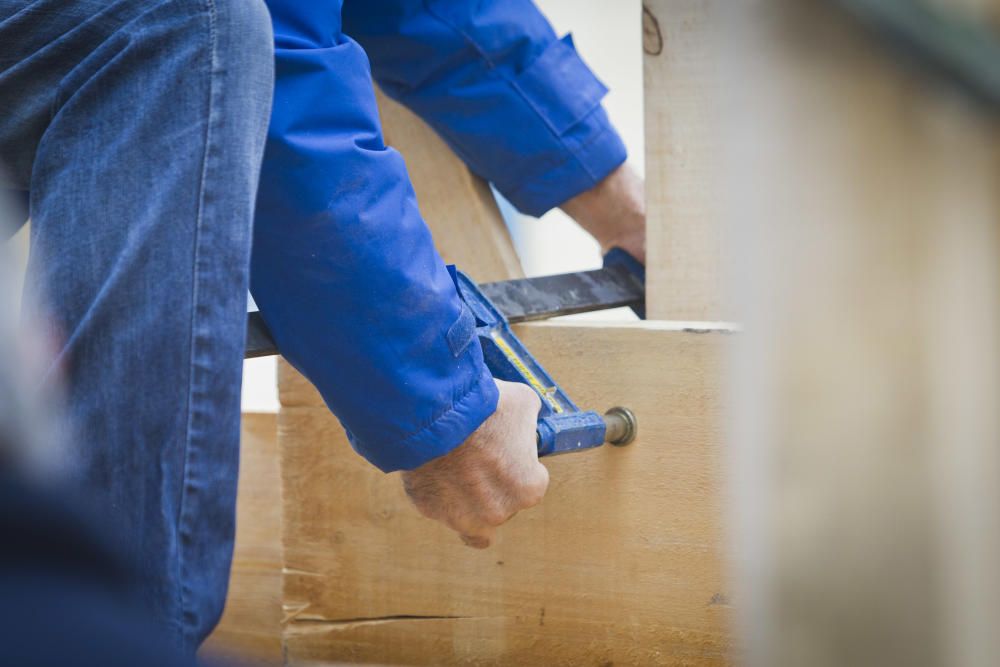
[614, 212]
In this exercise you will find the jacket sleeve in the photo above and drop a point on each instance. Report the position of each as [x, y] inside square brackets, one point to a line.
[517, 104]
[344, 269]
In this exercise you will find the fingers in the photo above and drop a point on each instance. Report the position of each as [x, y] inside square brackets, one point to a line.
[534, 494]
[480, 507]
[488, 479]
[477, 525]
[477, 529]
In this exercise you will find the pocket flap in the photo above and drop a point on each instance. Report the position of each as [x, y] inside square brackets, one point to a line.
[560, 86]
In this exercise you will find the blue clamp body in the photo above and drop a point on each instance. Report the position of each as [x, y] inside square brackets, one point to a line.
[562, 426]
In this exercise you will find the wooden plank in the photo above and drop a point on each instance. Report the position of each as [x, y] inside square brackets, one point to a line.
[868, 380]
[684, 243]
[620, 564]
[250, 627]
[458, 206]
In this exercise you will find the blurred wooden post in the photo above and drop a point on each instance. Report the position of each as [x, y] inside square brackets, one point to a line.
[866, 206]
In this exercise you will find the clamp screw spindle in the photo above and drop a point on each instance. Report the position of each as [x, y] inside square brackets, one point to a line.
[621, 426]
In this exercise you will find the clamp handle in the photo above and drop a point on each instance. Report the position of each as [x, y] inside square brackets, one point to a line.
[562, 426]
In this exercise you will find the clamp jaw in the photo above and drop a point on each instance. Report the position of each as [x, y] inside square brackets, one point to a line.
[562, 426]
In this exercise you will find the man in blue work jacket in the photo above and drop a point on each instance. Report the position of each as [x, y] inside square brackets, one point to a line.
[135, 129]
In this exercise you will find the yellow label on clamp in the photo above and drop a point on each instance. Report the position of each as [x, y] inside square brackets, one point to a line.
[545, 392]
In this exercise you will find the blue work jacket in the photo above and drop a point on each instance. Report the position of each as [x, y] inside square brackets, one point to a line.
[344, 270]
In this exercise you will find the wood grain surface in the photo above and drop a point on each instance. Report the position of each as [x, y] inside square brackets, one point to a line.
[620, 565]
[868, 379]
[684, 241]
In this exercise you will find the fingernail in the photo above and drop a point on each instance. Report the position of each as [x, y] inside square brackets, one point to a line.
[475, 542]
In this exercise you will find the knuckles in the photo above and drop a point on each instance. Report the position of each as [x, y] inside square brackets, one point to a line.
[525, 398]
[534, 494]
[493, 475]
[495, 516]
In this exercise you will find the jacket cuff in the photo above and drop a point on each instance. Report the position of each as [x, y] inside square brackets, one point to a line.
[443, 435]
[592, 152]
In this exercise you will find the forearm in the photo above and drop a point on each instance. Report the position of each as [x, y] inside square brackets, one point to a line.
[344, 269]
[614, 212]
[518, 105]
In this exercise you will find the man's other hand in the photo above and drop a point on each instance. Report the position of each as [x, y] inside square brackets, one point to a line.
[490, 477]
[614, 212]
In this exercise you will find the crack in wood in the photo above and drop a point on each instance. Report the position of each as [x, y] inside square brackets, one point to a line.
[309, 625]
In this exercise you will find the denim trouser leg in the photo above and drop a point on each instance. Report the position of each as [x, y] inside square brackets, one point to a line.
[138, 128]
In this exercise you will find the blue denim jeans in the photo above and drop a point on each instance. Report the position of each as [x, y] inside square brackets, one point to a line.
[135, 129]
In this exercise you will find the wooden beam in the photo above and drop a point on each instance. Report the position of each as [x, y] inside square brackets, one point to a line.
[621, 564]
[685, 271]
[458, 205]
[250, 626]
